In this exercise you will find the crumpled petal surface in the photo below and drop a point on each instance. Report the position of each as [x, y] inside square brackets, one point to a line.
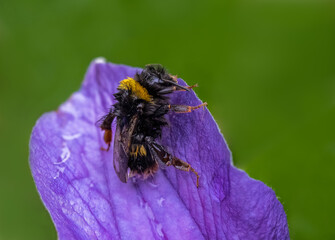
[86, 200]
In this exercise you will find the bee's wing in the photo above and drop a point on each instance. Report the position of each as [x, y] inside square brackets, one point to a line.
[122, 144]
[159, 154]
[120, 156]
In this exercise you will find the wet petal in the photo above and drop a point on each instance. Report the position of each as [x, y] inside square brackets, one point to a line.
[86, 200]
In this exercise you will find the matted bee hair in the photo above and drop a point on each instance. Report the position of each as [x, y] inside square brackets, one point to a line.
[140, 108]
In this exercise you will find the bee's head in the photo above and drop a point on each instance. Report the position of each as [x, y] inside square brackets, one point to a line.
[155, 77]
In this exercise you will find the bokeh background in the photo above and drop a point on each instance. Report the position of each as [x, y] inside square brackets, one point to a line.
[266, 68]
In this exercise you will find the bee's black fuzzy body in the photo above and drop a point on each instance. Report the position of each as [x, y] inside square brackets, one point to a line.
[141, 105]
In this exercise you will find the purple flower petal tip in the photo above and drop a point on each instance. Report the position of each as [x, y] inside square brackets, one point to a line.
[86, 200]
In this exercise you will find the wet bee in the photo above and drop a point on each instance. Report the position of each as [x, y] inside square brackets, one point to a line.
[141, 105]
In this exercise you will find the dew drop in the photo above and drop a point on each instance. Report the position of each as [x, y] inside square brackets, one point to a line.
[65, 155]
[149, 212]
[57, 175]
[159, 230]
[160, 201]
[71, 137]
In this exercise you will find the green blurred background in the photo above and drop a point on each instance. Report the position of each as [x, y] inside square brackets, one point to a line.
[266, 68]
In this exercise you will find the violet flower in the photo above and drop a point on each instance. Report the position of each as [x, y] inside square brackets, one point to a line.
[86, 200]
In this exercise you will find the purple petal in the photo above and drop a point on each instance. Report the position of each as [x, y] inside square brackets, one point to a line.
[86, 200]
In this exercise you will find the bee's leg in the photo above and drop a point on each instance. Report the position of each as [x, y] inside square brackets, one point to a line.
[182, 165]
[106, 126]
[185, 108]
[107, 139]
[159, 153]
[188, 87]
[169, 90]
[175, 78]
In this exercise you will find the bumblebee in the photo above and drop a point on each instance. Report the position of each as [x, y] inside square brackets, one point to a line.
[141, 105]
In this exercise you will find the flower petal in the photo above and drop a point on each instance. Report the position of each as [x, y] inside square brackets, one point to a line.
[86, 200]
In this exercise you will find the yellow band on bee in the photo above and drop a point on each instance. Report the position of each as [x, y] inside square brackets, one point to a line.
[143, 152]
[138, 149]
[136, 88]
